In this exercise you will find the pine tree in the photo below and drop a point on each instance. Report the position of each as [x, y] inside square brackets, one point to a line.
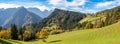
[20, 33]
[14, 32]
[0, 28]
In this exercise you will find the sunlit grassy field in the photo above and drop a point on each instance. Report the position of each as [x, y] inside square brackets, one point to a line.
[106, 35]
[91, 19]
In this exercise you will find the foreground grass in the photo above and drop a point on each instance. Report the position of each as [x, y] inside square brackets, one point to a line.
[4, 42]
[105, 35]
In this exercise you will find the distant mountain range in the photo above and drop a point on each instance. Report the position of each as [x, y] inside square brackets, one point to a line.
[42, 14]
[62, 18]
[19, 16]
[6, 13]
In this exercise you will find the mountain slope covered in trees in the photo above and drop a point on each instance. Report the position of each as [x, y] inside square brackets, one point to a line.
[63, 19]
[101, 19]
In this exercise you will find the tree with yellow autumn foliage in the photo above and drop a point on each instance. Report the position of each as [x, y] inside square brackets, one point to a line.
[43, 34]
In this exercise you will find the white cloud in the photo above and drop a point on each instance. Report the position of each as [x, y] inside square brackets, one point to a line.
[108, 4]
[4, 5]
[72, 6]
[76, 8]
[26, 5]
[90, 11]
[42, 8]
[84, 10]
[117, 1]
[65, 3]
[76, 3]
[104, 4]
[56, 2]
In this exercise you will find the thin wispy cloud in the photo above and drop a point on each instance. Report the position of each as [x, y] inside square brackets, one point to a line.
[4, 5]
[108, 4]
[104, 4]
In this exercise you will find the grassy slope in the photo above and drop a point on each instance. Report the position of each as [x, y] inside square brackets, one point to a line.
[52, 27]
[106, 35]
[91, 19]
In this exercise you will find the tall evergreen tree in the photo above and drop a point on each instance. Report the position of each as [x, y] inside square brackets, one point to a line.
[14, 32]
[0, 28]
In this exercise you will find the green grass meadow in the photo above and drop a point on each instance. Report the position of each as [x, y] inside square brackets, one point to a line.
[106, 35]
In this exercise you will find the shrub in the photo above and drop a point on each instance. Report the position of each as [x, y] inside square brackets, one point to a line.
[26, 36]
[43, 34]
[56, 31]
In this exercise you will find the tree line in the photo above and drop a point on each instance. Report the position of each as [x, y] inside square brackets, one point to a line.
[25, 33]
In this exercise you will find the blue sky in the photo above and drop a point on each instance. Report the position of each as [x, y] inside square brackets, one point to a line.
[85, 6]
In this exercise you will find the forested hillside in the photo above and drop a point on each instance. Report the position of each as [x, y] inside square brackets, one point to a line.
[100, 19]
[63, 19]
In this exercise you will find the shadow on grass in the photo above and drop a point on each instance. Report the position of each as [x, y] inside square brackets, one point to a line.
[4, 42]
[34, 40]
[15, 41]
[55, 41]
